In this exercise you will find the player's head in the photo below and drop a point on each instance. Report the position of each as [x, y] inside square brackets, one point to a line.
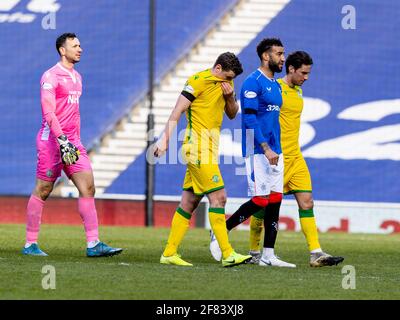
[271, 54]
[227, 66]
[298, 67]
[69, 47]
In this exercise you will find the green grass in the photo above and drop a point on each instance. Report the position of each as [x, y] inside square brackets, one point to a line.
[137, 274]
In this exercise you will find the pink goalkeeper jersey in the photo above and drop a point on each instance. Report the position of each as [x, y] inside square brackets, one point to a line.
[60, 90]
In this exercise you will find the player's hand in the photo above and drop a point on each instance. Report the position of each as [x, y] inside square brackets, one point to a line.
[159, 148]
[69, 153]
[272, 157]
[227, 90]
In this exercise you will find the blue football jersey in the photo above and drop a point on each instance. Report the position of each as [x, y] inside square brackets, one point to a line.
[264, 97]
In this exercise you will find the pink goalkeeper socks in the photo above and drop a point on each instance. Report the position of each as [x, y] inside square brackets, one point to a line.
[34, 216]
[86, 208]
[88, 213]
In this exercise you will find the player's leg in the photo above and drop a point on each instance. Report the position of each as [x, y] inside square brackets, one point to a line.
[271, 223]
[300, 185]
[48, 169]
[81, 175]
[256, 203]
[307, 220]
[34, 215]
[256, 228]
[256, 178]
[274, 184]
[253, 207]
[207, 180]
[179, 227]
[257, 220]
[318, 258]
[256, 168]
[216, 214]
[84, 182]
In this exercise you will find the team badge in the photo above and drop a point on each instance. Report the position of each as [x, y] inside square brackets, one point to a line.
[215, 178]
[250, 94]
[189, 88]
[47, 86]
[49, 173]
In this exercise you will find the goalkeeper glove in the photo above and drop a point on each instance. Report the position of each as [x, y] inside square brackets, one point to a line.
[69, 153]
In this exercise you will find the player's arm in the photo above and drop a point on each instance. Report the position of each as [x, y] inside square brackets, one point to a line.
[69, 153]
[48, 102]
[250, 108]
[193, 88]
[182, 104]
[231, 106]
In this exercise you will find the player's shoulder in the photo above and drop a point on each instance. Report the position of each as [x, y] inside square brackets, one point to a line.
[197, 81]
[281, 82]
[299, 90]
[77, 73]
[201, 76]
[252, 79]
[50, 75]
[50, 71]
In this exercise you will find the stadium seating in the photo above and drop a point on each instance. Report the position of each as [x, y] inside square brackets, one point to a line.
[354, 152]
[114, 36]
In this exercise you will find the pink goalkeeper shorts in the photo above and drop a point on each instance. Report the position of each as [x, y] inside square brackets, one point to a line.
[49, 164]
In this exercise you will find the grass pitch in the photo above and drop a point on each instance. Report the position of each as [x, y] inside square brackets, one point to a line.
[137, 274]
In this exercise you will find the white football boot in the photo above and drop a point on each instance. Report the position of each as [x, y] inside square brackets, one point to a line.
[214, 247]
[275, 262]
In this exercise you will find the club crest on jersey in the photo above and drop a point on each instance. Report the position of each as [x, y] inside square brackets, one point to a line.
[215, 178]
[250, 94]
[49, 173]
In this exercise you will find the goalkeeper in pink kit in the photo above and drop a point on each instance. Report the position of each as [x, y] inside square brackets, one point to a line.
[59, 148]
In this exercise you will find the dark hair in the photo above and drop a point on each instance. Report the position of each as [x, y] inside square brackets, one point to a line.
[61, 40]
[297, 59]
[266, 44]
[229, 62]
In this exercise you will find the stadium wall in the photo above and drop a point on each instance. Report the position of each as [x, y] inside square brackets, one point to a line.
[111, 212]
[348, 217]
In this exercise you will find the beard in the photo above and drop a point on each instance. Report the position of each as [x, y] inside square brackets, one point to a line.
[274, 67]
